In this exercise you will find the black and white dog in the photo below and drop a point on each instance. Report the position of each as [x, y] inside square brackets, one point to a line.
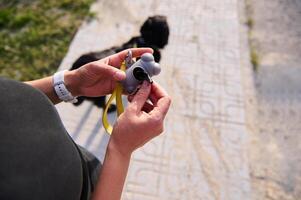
[154, 34]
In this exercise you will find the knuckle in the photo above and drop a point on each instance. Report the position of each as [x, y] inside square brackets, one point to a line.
[168, 99]
[130, 109]
[157, 121]
[142, 93]
[131, 119]
[127, 116]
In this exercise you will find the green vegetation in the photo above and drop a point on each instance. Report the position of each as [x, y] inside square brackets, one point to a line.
[35, 35]
[254, 57]
[250, 23]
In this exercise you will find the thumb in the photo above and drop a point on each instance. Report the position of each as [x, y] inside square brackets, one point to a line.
[141, 96]
[117, 74]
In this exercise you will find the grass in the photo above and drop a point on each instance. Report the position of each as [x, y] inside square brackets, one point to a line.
[35, 35]
[254, 56]
[250, 23]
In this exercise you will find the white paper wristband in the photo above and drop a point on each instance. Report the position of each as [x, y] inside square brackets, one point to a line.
[60, 87]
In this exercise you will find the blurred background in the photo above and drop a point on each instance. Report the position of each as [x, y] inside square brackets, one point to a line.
[232, 68]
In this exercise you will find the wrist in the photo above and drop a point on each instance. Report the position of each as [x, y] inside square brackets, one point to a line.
[71, 83]
[115, 149]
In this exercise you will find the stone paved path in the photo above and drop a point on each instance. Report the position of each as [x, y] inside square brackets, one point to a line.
[276, 149]
[203, 152]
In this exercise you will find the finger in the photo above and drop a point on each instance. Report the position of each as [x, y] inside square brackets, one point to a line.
[147, 107]
[130, 98]
[117, 59]
[118, 75]
[110, 71]
[141, 97]
[157, 91]
[162, 107]
[106, 61]
[153, 98]
[163, 100]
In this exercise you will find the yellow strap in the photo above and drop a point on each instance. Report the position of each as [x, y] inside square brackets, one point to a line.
[117, 93]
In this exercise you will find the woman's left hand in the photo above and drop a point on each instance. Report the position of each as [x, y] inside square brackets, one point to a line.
[99, 78]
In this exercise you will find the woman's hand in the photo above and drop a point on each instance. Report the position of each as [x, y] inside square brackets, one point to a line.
[93, 79]
[142, 120]
[99, 78]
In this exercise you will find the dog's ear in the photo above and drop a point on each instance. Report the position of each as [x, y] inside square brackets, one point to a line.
[155, 31]
[157, 55]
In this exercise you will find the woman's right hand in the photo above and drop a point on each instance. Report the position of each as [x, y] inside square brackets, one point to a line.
[141, 120]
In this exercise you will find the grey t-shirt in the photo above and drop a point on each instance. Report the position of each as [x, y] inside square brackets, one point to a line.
[39, 160]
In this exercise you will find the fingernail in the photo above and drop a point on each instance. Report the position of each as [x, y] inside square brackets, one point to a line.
[145, 84]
